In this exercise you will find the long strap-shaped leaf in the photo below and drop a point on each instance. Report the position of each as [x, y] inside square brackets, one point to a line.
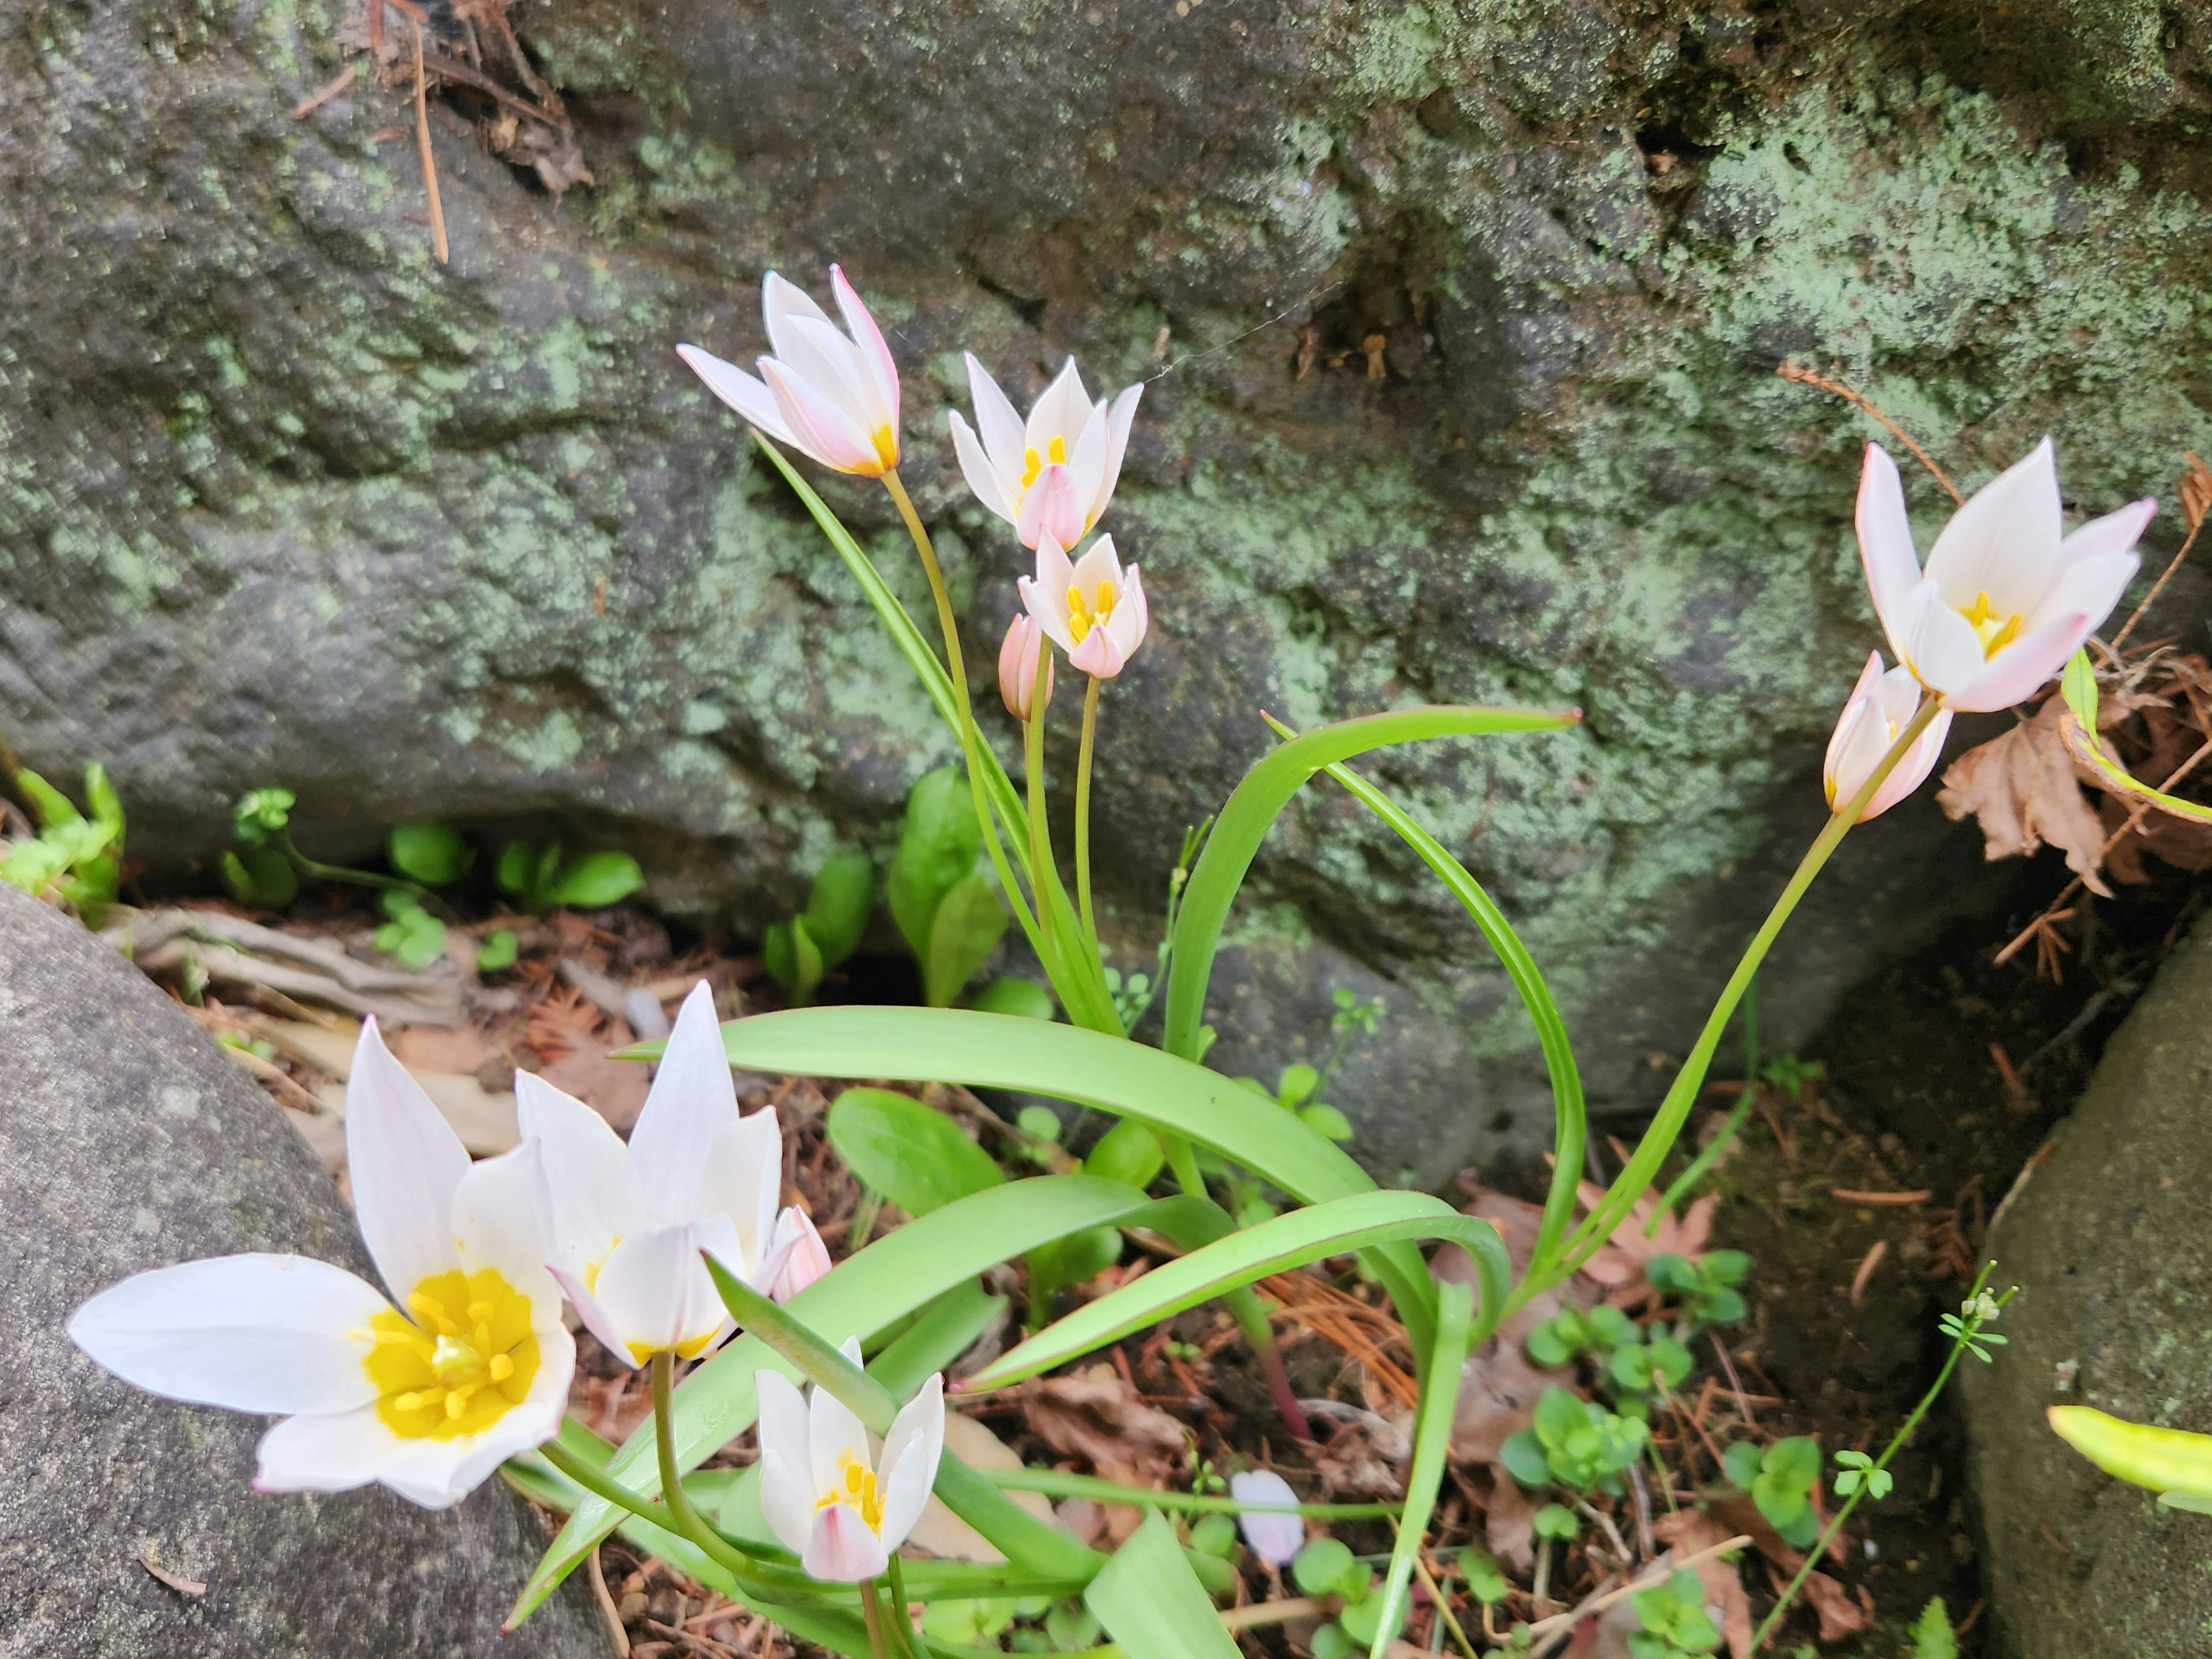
[1288, 1241]
[1251, 811]
[1003, 1051]
[1152, 1603]
[1432, 1426]
[859, 1297]
[1570, 1118]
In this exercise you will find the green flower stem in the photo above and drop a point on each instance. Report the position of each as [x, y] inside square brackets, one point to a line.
[956, 671]
[596, 1481]
[1040, 824]
[901, 1621]
[873, 1609]
[1959, 1346]
[1083, 813]
[1674, 1110]
[322, 871]
[687, 1521]
[1056, 1483]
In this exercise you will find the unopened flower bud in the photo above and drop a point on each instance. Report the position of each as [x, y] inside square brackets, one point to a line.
[1017, 667]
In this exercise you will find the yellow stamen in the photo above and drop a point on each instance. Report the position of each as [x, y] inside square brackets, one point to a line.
[1082, 616]
[856, 1487]
[1055, 452]
[1995, 632]
[466, 1358]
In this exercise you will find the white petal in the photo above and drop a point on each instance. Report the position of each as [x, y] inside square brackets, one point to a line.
[1133, 618]
[1060, 412]
[783, 1427]
[1098, 565]
[251, 1333]
[976, 467]
[2015, 672]
[911, 1453]
[805, 1258]
[1910, 772]
[1001, 427]
[326, 1453]
[782, 301]
[648, 1291]
[1087, 465]
[742, 1179]
[692, 1100]
[786, 1504]
[833, 1434]
[1051, 509]
[497, 1223]
[1839, 769]
[1940, 645]
[842, 1549]
[589, 1195]
[1119, 418]
[818, 425]
[2004, 541]
[1274, 1538]
[745, 393]
[2091, 587]
[595, 1317]
[830, 364]
[875, 354]
[2116, 532]
[1893, 567]
[406, 1162]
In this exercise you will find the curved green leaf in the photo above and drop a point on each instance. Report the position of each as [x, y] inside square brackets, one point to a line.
[1433, 1424]
[1251, 811]
[1152, 1603]
[2079, 733]
[859, 1297]
[915, 1156]
[1292, 1240]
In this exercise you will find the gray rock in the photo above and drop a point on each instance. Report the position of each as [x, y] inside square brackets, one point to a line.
[128, 1143]
[2112, 1243]
[284, 501]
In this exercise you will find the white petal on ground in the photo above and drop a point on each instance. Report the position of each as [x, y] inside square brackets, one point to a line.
[1273, 1538]
[253, 1332]
[405, 1163]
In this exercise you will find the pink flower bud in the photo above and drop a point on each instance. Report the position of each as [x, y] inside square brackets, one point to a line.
[1017, 667]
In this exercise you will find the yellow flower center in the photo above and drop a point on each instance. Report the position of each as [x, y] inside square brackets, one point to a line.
[462, 1363]
[1082, 617]
[1994, 631]
[1055, 451]
[856, 1485]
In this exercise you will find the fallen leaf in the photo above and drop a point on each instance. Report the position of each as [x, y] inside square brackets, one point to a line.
[1096, 1416]
[1509, 1520]
[435, 1048]
[1619, 1261]
[2022, 790]
[1498, 1390]
[1840, 1616]
[1690, 1531]
[944, 1533]
[1363, 1453]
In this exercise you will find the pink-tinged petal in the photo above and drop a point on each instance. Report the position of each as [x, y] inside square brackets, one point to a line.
[743, 1179]
[648, 1293]
[1274, 1538]
[1049, 615]
[875, 355]
[1893, 568]
[1098, 565]
[1861, 706]
[1018, 658]
[1119, 418]
[832, 365]
[597, 1319]
[834, 1435]
[1133, 618]
[1100, 655]
[249, 1333]
[912, 1451]
[742, 392]
[805, 1258]
[2114, 533]
[2091, 585]
[1911, 771]
[588, 1195]
[787, 1505]
[1086, 465]
[976, 467]
[1939, 646]
[782, 304]
[1000, 427]
[406, 1162]
[693, 1099]
[842, 1549]
[2004, 541]
[2015, 674]
[498, 1222]
[1051, 509]
[1059, 413]
[818, 427]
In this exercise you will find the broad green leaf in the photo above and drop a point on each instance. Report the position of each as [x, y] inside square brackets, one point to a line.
[2176, 1463]
[1432, 1423]
[1335, 1228]
[500, 947]
[511, 871]
[838, 908]
[967, 928]
[793, 960]
[2077, 727]
[941, 1333]
[865, 1293]
[938, 845]
[958, 1045]
[913, 1154]
[429, 850]
[1129, 1151]
[261, 876]
[1008, 995]
[1570, 1122]
[595, 880]
[101, 804]
[1152, 1603]
[1251, 811]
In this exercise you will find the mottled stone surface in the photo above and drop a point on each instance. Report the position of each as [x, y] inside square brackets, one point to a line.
[127, 1142]
[2112, 1245]
[283, 501]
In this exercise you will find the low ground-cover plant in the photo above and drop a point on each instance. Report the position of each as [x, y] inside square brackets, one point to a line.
[675, 1250]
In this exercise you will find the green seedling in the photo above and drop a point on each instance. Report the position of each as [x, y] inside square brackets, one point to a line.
[412, 936]
[1780, 1481]
[1327, 1567]
[945, 906]
[1855, 1469]
[76, 857]
[1573, 1443]
[1673, 1619]
[1704, 1288]
[540, 879]
[799, 949]
[1294, 1092]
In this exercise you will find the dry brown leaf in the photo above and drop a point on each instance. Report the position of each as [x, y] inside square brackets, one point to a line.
[1096, 1416]
[615, 1089]
[2021, 789]
[1619, 1263]
[1840, 1616]
[1365, 1451]
[1508, 1521]
[944, 1533]
[435, 1049]
[1690, 1531]
[2196, 490]
[1498, 1393]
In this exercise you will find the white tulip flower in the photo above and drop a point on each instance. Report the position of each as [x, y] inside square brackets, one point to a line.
[1053, 475]
[623, 1225]
[835, 1498]
[1093, 608]
[833, 397]
[466, 1365]
[2005, 598]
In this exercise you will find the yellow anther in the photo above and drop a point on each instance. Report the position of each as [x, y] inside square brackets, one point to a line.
[1032, 464]
[407, 1402]
[456, 1403]
[1055, 450]
[1995, 632]
[501, 1368]
[1105, 598]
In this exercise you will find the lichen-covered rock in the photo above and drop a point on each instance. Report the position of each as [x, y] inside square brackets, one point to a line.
[2111, 1243]
[283, 501]
[127, 1142]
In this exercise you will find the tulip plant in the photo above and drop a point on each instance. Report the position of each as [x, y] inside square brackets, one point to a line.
[673, 1250]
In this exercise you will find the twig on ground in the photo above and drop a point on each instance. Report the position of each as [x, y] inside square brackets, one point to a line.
[429, 164]
[607, 1605]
